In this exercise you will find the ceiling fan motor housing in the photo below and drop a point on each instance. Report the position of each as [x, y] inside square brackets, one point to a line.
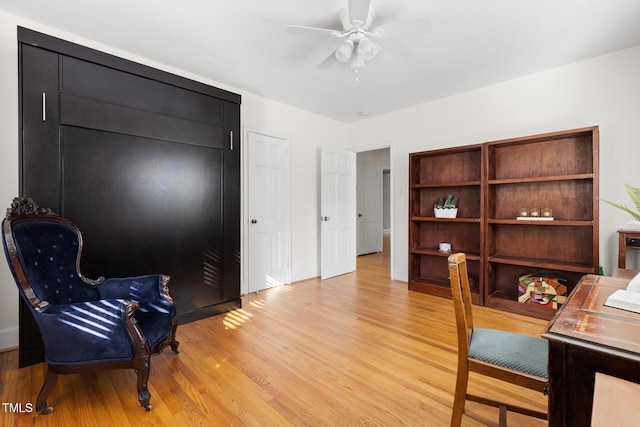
[348, 23]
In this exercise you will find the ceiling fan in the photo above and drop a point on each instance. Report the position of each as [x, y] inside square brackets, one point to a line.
[358, 34]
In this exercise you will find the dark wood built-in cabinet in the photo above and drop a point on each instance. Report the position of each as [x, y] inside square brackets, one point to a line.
[143, 161]
[494, 181]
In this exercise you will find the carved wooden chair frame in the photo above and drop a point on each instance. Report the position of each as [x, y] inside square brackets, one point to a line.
[24, 209]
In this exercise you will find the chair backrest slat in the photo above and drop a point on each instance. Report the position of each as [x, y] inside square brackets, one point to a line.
[461, 294]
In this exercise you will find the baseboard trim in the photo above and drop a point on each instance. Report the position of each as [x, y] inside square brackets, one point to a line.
[8, 338]
[401, 275]
[212, 310]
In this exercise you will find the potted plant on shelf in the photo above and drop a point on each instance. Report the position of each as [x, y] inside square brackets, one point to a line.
[447, 207]
[634, 193]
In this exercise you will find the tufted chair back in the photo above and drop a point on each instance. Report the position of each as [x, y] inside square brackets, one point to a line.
[48, 251]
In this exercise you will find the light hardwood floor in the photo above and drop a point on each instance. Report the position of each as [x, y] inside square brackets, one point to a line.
[354, 350]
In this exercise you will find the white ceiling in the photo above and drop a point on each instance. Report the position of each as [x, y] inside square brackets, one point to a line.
[244, 44]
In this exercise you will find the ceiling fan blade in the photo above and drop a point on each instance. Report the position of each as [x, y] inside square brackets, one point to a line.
[412, 27]
[385, 55]
[312, 31]
[328, 62]
[358, 12]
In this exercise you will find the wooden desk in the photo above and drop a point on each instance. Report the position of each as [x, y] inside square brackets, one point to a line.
[586, 337]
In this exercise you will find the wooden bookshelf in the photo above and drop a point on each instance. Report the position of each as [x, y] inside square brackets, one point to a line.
[435, 174]
[556, 170]
[494, 181]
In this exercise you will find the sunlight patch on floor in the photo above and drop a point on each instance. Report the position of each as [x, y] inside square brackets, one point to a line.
[236, 318]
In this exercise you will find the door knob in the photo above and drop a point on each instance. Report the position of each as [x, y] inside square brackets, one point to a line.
[324, 218]
[359, 215]
[254, 221]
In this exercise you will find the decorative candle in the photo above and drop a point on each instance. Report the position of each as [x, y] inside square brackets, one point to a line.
[534, 212]
[546, 212]
[524, 212]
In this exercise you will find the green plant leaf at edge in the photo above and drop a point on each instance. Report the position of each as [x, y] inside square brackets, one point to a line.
[634, 193]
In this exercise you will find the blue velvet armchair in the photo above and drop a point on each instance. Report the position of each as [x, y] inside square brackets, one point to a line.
[85, 324]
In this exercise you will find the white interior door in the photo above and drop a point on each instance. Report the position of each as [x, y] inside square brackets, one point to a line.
[337, 212]
[268, 210]
[369, 209]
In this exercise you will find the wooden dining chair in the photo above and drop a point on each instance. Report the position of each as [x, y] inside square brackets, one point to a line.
[514, 358]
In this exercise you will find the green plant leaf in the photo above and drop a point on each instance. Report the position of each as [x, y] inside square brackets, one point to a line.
[450, 202]
[634, 194]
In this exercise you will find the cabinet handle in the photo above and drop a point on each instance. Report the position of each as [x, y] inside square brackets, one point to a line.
[44, 107]
[231, 140]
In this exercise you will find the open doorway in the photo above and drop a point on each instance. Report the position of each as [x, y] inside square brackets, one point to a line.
[374, 202]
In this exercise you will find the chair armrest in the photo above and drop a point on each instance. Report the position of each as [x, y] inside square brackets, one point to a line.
[87, 332]
[150, 289]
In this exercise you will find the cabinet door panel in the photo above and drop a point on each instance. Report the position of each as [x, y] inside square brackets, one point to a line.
[94, 81]
[147, 206]
[231, 204]
[92, 114]
[39, 73]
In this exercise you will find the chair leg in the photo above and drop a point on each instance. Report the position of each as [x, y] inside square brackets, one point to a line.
[143, 377]
[504, 408]
[174, 344]
[502, 422]
[460, 395]
[49, 383]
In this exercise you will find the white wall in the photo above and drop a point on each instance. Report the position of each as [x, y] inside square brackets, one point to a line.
[8, 171]
[308, 132]
[603, 91]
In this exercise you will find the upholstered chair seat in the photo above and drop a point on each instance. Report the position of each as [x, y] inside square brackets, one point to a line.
[155, 313]
[518, 352]
[85, 324]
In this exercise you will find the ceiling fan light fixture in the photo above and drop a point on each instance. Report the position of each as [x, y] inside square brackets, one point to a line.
[369, 49]
[344, 52]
